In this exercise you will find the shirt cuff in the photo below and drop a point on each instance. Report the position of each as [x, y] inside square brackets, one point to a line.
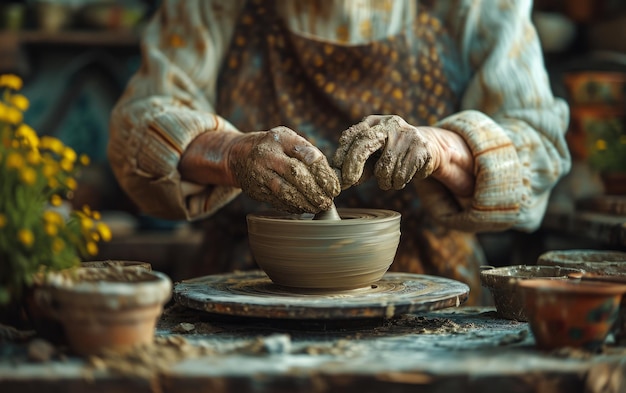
[498, 193]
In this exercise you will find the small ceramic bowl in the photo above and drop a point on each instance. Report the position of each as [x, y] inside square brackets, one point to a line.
[601, 265]
[569, 313]
[501, 282]
[301, 253]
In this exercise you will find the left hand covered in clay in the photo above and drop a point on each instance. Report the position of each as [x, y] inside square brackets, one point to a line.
[406, 152]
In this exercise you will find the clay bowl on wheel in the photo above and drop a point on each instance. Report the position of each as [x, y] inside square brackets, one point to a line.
[298, 252]
[502, 283]
[569, 313]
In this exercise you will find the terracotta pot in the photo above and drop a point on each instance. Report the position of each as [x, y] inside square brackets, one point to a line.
[596, 87]
[118, 264]
[608, 264]
[614, 182]
[565, 313]
[105, 310]
[502, 283]
[302, 253]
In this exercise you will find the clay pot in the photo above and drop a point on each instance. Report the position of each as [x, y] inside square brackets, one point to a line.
[600, 262]
[106, 309]
[502, 283]
[301, 253]
[118, 264]
[606, 265]
[565, 313]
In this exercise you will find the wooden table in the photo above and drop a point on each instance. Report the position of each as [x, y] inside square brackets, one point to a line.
[452, 350]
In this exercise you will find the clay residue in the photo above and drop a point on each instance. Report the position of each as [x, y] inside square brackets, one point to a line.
[148, 360]
[423, 325]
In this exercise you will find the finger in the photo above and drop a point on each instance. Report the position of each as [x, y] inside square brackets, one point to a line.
[298, 175]
[346, 140]
[374, 120]
[406, 167]
[306, 167]
[326, 178]
[361, 149]
[283, 195]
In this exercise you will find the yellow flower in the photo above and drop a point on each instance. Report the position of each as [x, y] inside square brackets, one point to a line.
[3, 220]
[11, 81]
[104, 231]
[87, 210]
[86, 223]
[29, 134]
[84, 159]
[53, 183]
[601, 144]
[52, 144]
[51, 229]
[13, 116]
[92, 248]
[20, 102]
[26, 237]
[56, 200]
[33, 157]
[96, 215]
[53, 217]
[50, 169]
[66, 165]
[71, 183]
[95, 236]
[58, 245]
[28, 175]
[69, 154]
[14, 161]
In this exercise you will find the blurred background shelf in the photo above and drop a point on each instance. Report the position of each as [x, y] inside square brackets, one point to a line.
[121, 38]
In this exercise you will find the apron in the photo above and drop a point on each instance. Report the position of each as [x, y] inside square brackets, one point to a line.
[272, 76]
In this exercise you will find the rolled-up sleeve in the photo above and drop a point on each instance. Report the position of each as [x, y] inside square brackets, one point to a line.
[169, 102]
[509, 118]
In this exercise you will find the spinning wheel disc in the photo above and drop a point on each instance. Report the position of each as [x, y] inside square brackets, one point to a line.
[252, 294]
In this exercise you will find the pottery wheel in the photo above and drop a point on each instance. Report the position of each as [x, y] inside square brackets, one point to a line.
[252, 294]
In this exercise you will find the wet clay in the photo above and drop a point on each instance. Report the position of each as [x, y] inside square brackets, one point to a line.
[301, 253]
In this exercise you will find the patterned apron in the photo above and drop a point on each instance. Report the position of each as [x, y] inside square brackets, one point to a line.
[272, 76]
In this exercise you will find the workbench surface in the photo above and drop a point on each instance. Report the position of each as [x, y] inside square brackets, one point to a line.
[453, 350]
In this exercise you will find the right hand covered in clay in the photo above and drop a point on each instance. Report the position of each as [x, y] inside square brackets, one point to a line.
[277, 166]
[283, 169]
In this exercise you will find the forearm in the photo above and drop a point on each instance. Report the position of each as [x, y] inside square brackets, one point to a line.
[205, 161]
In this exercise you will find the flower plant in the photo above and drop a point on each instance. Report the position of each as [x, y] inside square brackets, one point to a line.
[40, 230]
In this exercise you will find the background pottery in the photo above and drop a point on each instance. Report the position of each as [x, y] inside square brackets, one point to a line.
[610, 265]
[299, 252]
[566, 313]
[600, 262]
[502, 283]
[107, 309]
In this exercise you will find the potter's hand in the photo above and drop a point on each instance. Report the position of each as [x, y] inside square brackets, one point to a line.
[404, 152]
[282, 168]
